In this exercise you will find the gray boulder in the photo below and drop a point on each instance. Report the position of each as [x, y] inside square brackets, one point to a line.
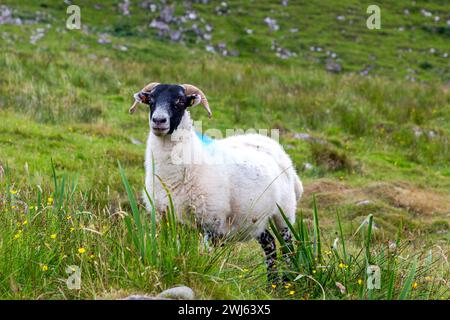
[178, 293]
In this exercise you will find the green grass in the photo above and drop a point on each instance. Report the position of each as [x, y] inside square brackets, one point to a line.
[378, 146]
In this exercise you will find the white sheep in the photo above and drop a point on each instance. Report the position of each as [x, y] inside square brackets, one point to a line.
[231, 186]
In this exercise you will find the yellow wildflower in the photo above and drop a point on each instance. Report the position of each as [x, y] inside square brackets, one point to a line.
[341, 265]
[49, 200]
[68, 217]
[44, 267]
[314, 271]
[72, 229]
[25, 222]
[81, 250]
[292, 292]
[12, 191]
[274, 286]
[360, 281]
[53, 236]
[415, 285]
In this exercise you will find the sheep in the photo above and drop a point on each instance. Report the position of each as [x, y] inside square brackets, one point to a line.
[231, 186]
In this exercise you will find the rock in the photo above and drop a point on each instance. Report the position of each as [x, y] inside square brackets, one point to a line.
[143, 297]
[364, 203]
[175, 35]
[124, 7]
[272, 23]
[284, 3]
[166, 14]
[222, 9]
[121, 47]
[208, 28]
[210, 48]
[307, 166]
[234, 53]
[302, 136]
[426, 13]
[178, 293]
[6, 16]
[432, 134]
[191, 15]
[333, 66]
[332, 54]
[37, 34]
[282, 53]
[417, 132]
[207, 36]
[103, 38]
[161, 26]
[366, 71]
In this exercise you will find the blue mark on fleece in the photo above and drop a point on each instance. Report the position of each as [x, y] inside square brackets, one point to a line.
[204, 138]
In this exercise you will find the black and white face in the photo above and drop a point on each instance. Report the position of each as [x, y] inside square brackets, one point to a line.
[167, 106]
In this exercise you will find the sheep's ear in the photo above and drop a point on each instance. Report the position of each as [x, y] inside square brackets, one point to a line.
[140, 97]
[193, 100]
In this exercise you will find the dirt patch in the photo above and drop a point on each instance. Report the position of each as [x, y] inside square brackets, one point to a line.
[324, 185]
[397, 194]
[332, 193]
[412, 199]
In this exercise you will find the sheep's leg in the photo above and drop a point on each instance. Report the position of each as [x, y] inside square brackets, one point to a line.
[213, 237]
[267, 242]
[287, 237]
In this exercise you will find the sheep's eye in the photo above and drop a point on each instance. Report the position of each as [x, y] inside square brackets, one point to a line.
[179, 102]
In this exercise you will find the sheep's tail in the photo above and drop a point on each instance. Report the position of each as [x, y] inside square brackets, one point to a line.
[298, 186]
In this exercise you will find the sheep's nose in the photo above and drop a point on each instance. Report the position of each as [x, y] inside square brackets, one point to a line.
[159, 120]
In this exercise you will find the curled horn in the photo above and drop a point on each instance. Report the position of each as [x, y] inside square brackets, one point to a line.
[147, 88]
[190, 89]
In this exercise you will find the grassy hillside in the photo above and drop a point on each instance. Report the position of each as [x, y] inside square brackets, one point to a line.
[371, 138]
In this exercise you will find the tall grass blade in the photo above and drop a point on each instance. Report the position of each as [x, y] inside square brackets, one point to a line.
[407, 287]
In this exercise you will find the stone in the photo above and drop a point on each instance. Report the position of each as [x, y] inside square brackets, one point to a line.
[364, 203]
[302, 136]
[143, 297]
[333, 66]
[272, 23]
[178, 293]
[124, 7]
[308, 166]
